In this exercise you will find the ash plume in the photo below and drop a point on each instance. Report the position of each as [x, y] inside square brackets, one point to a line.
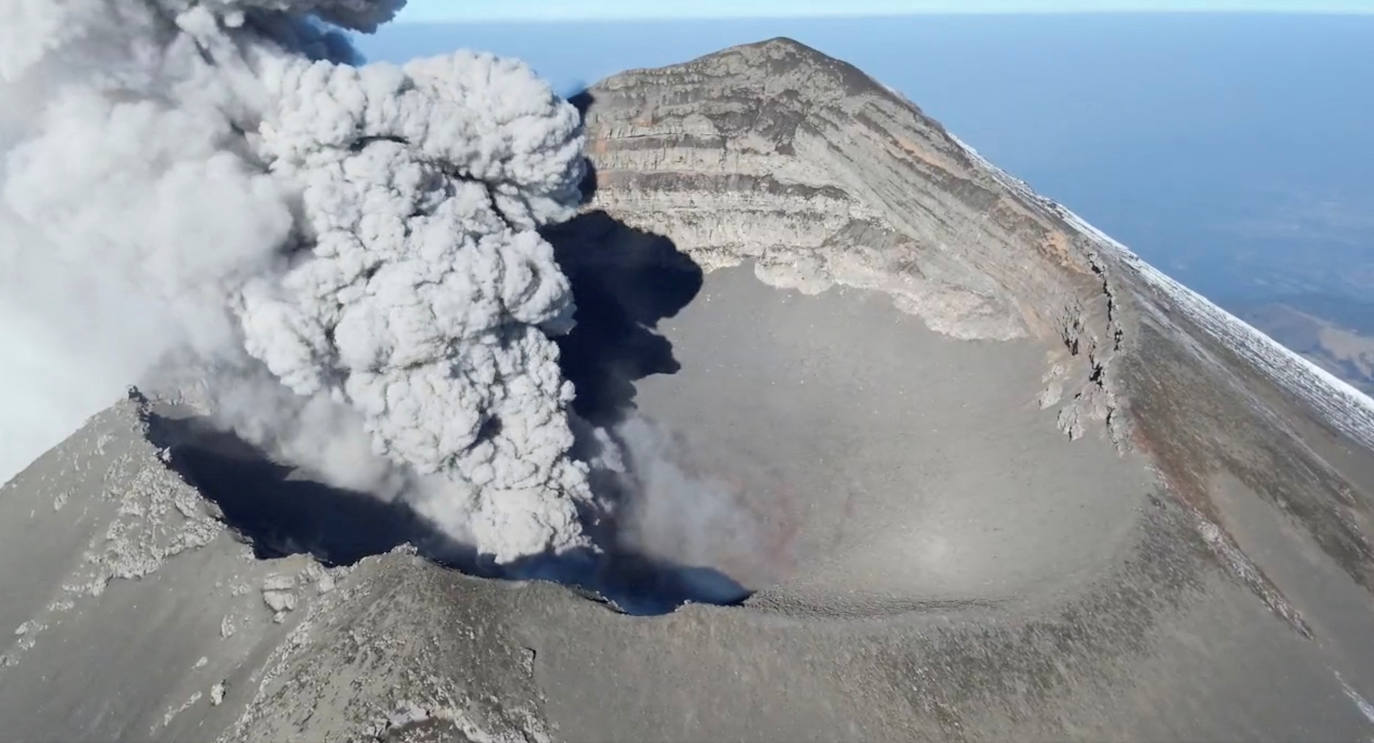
[343, 257]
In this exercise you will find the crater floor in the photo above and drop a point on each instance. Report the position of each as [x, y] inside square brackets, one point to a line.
[854, 461]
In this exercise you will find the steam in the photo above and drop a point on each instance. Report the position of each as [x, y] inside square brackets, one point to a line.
[672, 512]
[344, 258]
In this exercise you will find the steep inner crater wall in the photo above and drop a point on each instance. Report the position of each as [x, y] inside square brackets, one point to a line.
[834, 453]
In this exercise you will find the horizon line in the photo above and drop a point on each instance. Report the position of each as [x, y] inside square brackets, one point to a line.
[546, 18]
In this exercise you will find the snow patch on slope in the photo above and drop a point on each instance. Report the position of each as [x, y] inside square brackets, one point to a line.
[1340, 404]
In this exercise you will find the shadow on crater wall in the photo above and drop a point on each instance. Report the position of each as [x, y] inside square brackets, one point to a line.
[624, 281]
[277, 512]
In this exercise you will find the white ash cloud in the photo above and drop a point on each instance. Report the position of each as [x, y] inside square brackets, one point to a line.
[189, 179]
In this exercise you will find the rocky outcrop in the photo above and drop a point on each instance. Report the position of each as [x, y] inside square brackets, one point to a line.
[804, 166]
[133, 612]
[775, 154]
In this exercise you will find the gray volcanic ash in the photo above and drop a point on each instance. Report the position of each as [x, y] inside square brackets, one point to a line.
[213, 176]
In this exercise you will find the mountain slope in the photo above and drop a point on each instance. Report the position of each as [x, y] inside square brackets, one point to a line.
[775, 154]
[990, 475]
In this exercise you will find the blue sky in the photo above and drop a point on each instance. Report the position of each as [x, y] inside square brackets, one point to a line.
[477, 10]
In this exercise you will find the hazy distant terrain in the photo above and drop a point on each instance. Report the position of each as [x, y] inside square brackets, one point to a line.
[1342, 351]
[1232, 151]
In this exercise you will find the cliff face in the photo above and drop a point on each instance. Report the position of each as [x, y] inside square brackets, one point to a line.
[775, 154]
[1089, 505]
[801, 163]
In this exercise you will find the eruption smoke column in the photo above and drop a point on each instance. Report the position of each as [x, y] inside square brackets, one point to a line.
[366, 233]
